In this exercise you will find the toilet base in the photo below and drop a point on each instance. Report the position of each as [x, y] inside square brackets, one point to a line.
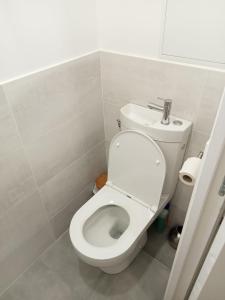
[122, 265]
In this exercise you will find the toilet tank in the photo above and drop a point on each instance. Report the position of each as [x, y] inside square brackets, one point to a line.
[172, 138]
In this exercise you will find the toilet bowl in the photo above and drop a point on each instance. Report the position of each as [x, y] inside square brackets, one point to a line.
[111, 228]
[108, 229]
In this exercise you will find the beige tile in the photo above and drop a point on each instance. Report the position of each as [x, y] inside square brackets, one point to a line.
[55, 151]
[197, 143]
[188, 87]
[3, 103]
[111, 115]
[176, 216]
[182, 196]
[24, 234]
[9, 138]
[210, 100]
[60, 190]
[42, 101]
[61, 221]
[195, 93]
[16, 179]
[107, 145]
[129, 79]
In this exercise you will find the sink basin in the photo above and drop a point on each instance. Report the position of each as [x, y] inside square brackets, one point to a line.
[147, 120]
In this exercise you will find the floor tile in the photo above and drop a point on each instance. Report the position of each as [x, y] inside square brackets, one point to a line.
[158, 246]
[146, 278]
[39, 282]
[61, 259]
[58, 274]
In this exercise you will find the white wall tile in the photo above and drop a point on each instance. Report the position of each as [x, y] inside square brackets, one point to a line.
[42, 101]
[61, 221]
[60, 190]
[24, 234]
[52, 141]
[196, 93]
[111, 114]
[211, 97]
[59, 148]
[16, 179]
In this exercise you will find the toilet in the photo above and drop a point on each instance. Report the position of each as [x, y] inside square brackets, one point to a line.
[110, 229]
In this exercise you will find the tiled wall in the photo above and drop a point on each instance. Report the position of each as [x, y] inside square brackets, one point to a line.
[195, 92]
[52, 149]
[53, 143]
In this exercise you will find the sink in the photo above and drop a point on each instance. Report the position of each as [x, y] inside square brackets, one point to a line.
[147, 120]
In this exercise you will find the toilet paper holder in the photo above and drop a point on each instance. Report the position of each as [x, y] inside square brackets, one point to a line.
[200, 155]
[190, 169]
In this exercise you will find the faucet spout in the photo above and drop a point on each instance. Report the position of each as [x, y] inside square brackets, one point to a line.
[165, 109]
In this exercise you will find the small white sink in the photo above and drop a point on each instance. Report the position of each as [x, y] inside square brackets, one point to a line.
[147, 120]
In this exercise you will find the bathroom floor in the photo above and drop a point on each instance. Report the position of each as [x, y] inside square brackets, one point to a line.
[58, 275]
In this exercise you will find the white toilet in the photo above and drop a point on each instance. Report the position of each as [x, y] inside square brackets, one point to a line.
[110, 229]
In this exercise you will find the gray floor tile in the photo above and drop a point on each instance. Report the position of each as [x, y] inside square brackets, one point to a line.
[61, 258]
[159, 247]
[145, 279]
[58, 274]
[39, 282]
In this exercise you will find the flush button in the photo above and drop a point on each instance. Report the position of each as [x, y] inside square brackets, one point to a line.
[117, 145]
[157, 162]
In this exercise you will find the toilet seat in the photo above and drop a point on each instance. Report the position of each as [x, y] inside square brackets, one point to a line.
[140, 217]
[111, 228]
[137, 167]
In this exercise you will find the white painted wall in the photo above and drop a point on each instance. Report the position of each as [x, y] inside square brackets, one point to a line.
[193, 33]
[195, 29]
[130, 26]
[36, 34]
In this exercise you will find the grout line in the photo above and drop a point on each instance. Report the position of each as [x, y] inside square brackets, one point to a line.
[102, 101]
[49, 218]
[24, 147]
[32, 263]
[52, 245]
[29, 164]
[75, 161]
[77, 196]
[72, 118]
[158, 261]
[59, 126]
[55, 239]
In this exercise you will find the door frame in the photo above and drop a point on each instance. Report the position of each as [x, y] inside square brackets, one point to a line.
[202, 216]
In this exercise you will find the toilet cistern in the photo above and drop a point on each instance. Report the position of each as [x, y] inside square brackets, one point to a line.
[166, 108]
[110, 229]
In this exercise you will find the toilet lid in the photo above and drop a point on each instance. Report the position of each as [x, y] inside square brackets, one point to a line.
[137, 167]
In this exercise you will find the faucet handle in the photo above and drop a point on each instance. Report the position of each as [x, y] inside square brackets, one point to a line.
[166, 110]
[165, 100]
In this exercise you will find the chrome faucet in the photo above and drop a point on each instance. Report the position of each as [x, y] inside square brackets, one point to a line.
[166, 108]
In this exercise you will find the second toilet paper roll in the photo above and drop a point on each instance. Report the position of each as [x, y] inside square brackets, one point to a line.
[189, 172]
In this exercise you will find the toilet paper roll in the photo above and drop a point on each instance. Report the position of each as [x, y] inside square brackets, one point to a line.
[189, 172]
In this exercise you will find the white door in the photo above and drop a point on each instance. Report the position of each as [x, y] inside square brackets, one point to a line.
[203, 216]
[210, 283]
